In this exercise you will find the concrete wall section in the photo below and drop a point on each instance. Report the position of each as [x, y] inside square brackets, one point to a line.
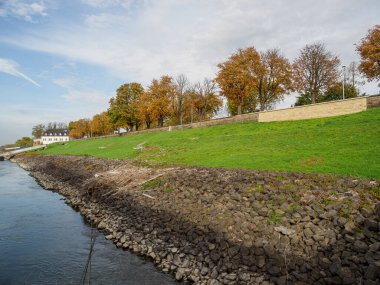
[320, 110]
[373, 101]
[251, 117]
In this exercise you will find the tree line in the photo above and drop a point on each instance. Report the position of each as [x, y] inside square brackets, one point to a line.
[249, 80]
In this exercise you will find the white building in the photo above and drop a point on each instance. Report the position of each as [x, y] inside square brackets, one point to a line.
[55, 135]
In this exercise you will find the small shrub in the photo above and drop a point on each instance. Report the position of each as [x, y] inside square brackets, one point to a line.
[294, 207]
[151, 184]
[288, 187]
[327, 201]
[169, 190]
[273, 217]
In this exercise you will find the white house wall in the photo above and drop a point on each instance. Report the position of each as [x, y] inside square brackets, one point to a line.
[54, 139]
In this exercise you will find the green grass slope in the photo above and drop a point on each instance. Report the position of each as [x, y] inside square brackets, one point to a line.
[346, 145]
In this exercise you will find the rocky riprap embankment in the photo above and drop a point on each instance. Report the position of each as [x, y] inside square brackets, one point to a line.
[219, 226]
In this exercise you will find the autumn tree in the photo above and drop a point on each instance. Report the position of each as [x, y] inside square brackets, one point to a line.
[315, 70]
[369, 50]
[123, 108]
[79, 129]
[237, 76]
[249, 105]
[179, 99]
[159, 95]
[144, 109]
[203, 101]
[101, 124]
[37, 131]
[274, 78]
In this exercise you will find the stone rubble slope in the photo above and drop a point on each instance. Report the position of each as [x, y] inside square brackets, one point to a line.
[227, 226]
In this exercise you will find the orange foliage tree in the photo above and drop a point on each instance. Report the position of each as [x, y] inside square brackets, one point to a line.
[144, 109]
[274, 78]
[369, 50]
[236, 76]
[160, 94]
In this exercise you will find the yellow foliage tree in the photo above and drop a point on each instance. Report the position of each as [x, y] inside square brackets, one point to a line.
[101, 124]
[79, 129]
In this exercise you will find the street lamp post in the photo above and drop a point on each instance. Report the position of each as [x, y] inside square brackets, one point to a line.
[344, 78]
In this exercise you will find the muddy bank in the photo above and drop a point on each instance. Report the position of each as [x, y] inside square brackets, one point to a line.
[218, 226]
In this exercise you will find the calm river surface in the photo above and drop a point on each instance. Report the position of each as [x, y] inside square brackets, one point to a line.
[44, 241]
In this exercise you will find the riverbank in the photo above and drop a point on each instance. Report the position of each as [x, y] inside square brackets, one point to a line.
[222, 226]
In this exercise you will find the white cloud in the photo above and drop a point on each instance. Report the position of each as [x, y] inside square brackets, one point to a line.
[23, 9]
[65, 82]
[109, 3]
[11, 67]
[76, 93]
[86, 96]
[192, 37]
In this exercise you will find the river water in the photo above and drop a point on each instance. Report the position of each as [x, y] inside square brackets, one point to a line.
[44, 241]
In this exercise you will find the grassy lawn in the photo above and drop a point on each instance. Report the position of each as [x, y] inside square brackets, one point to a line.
[347, 145]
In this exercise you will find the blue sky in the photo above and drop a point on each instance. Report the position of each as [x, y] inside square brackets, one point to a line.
[63, 60]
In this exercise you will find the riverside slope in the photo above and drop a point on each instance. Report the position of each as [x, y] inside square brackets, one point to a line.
[220, 226]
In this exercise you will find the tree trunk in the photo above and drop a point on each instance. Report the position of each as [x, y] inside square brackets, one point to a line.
[160, 122]
[239, 109]
[313, 98]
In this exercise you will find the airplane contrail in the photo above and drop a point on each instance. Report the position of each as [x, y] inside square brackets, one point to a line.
[10, 67]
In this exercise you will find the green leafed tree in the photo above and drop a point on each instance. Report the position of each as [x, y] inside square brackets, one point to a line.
[37, 131]
[123, 108]
[24, 142]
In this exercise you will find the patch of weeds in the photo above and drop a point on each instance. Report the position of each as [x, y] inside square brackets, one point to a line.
[327, 201]
[169, 190]
[296, 196]
[344, 212]
[311, 161]
[358, 231]
[273, 217]
[259, 189]
[375, 192]
[288, 187]
[294, 207]
[255, 189]
[281, 178]
[151, 184]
